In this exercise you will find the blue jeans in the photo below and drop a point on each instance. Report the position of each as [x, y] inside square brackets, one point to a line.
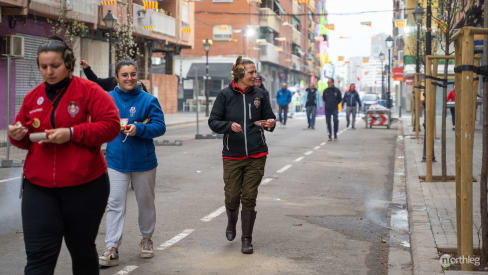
[311, 113]
[336, 122]
[285, 110]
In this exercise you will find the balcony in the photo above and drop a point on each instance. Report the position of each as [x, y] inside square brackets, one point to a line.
[268, 53]
[296, 8]
[296, 62]
[267, 18]
[160, 23]
[80, 10]
[297, 37]
[13, 3]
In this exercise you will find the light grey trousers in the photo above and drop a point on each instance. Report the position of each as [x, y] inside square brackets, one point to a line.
[144, 183]
[351, 110]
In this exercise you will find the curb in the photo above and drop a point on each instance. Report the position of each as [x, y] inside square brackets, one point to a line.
[425, 256]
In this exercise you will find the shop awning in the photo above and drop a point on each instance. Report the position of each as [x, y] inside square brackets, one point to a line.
[215, 70]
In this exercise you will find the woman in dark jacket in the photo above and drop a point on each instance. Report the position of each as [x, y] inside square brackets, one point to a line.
[245, 150]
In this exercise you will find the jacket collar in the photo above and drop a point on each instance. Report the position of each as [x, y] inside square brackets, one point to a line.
[233, 86]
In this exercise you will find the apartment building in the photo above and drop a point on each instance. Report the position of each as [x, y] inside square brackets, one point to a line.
[279, 35]
[163, 33]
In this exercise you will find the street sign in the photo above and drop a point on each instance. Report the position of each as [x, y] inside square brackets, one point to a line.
[398, 74]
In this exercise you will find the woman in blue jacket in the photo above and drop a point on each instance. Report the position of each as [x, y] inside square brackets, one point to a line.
[131, 158]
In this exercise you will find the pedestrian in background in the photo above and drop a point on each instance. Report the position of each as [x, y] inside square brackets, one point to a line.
[131, 158]
[108, 84]
[352, 101]
[283, 98]
[332, 98]
[245, 150]
[451, 98]
[65, 184]
[258, 82]
[312, 100]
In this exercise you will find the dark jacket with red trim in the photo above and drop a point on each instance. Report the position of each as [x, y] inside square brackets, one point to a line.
[95, 120]
[245, 109]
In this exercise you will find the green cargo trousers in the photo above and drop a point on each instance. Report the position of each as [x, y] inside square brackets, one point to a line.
[242, 178]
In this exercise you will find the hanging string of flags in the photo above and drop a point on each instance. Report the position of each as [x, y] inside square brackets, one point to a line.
[108, 2]
[150, 5]
[400, 23]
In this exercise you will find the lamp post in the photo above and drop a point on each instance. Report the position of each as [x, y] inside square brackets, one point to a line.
[389, 44]
[382, 58]
[109, 19]
[418, 14]
[206, 45]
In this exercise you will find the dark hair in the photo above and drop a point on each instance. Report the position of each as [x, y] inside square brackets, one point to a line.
[260, 77]
[56, 44]
[124, 62]
[238, 70]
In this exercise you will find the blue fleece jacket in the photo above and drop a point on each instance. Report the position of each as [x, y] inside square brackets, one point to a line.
[283, 97]
[137, 153]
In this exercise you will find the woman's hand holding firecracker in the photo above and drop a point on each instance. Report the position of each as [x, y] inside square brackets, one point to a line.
[57, 136]
[270, 123]
[236, 127]
[130, 130]
[17, 131]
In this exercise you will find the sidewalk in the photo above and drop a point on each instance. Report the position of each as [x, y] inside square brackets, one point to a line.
[184, 118]
[432, 205]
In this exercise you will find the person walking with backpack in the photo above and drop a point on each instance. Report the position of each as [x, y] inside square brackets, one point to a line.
[332, 97]
[352, 101]
[312, 100]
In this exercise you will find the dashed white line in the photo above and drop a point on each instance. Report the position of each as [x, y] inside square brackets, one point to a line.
[316, 147]
[308, 153]
[299, 159]
[214, 214]
[286, 167]
[175, 239]
[9, 179]
[322, 144]
[128, 269]
[266, 181]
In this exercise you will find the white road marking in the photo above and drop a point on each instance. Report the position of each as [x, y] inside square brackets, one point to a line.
[286, 167]
[316, 147]
[214, 214]
[308, 153]
[175, 239]
[322, 144]
[9, 179]
[127, 269]
[299, 159]
[266, 181]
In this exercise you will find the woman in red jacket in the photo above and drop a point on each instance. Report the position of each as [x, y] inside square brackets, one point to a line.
[451, 98]
[65, 182]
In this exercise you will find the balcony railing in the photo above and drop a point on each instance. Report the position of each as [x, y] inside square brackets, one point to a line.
[297, 37]
[296, 8]
[296, 62]
[268, 53]
[158, 22]
[268, 18]
[81, 10]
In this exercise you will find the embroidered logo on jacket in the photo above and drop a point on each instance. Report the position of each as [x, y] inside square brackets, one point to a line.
[257, 102]
[40, 100]
[73, 108]
[132, 111]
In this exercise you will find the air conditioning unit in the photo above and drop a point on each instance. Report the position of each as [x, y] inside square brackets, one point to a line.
[12, 45]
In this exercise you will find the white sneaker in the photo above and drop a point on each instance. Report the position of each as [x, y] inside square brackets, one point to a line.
[110, 257]
[146, 248]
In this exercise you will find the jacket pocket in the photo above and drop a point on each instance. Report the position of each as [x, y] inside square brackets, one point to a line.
[263, 139]
[226, 142]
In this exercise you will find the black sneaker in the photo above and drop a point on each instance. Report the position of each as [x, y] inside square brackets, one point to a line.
[330, 138]
[335, 137]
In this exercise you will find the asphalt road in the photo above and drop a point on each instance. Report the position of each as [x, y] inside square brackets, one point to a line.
[322, 208]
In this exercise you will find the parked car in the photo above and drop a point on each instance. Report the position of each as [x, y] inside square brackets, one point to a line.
[368, 100]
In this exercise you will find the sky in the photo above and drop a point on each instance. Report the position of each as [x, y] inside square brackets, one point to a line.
[357, 38]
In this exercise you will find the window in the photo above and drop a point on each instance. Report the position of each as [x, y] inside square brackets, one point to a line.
[296, 23]
[296, 50]
[268, 34]
[184, 12]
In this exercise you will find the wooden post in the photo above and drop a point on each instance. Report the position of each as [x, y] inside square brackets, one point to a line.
[434, 104]
[467, 132]
[417, 105]
[477, 62]
[429, 141]
[457, 106]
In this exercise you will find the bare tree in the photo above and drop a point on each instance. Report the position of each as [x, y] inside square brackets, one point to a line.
[446, 17]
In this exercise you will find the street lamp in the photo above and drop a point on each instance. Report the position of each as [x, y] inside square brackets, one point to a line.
[206, 45]
[109, 19]
[389, 44]
[382, 58]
